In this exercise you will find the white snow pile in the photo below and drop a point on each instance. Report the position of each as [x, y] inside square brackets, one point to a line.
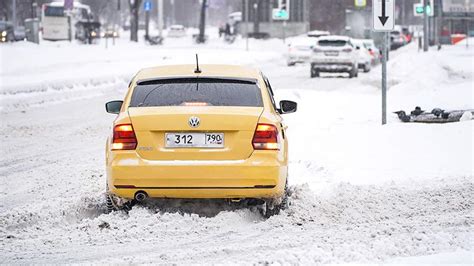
[360, 192]
[352, 223]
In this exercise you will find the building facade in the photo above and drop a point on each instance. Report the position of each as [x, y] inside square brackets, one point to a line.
[257, 18]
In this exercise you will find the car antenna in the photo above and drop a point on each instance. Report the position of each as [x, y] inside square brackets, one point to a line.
[197, 70]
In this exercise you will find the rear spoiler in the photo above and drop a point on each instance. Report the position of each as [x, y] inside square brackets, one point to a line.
[207, 79]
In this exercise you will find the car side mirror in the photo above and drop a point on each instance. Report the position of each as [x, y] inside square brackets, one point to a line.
[287, 107]
[113, 107]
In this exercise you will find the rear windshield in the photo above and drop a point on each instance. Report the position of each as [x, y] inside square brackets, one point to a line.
[332, 43]
[54, 11]
[196, 91]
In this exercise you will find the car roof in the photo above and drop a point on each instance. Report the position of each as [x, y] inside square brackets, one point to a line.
[334, 38]
[207, 70]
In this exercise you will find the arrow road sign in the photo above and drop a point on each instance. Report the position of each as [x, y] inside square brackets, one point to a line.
[147, 5]
[383, 15]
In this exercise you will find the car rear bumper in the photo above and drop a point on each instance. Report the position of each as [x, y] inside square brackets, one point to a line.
[333, 67]
[262, 175]
[297, 58]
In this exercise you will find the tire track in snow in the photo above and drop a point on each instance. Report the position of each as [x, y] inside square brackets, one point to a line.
[350, 223]
[47, 94]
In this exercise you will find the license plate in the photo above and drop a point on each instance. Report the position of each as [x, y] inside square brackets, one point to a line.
[331, 53]
[194, 140]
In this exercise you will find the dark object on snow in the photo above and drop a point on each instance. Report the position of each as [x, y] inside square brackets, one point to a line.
[197, 39]
[417, 111]
[104, 225]
[154, 40]
[259, 35]
[437, 115]
[437, 112]
[403, 116]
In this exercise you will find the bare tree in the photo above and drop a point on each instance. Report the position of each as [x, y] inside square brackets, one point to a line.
[202, 23]
[134, 8]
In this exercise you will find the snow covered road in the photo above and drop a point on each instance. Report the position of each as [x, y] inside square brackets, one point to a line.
[360, 192]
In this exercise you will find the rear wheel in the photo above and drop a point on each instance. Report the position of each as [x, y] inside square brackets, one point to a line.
[272, 208]
[314, 72]
[114, 203]
[110, 204]
[353, 73]
[367, 67]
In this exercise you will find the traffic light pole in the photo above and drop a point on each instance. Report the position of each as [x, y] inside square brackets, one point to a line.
[14, 13]
[425, 26]
[384, 76]
[246, 25]
[160, 18]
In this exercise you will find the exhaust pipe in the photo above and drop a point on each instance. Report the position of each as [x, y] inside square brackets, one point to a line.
[140, 196]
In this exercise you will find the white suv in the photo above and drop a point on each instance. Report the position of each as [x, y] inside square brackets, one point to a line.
[334, 54]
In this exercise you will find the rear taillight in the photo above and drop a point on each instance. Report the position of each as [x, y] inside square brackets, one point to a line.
[265, 137]
[124, 138]
[347, 50]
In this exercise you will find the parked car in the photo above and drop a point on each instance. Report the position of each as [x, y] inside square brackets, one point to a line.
[397, 40]
[334, 54]
[109, 33]
[407, 33]
[225, 140]
[364, 57]
[19, 33]
[176, 31]
[7, 33]
[373, 51]
[299, 51]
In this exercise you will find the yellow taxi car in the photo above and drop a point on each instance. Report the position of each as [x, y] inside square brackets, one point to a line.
[198, 132]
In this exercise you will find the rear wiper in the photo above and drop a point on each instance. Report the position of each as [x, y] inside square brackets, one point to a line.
[148, 94]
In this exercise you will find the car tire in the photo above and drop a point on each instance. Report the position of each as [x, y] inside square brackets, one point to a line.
[353, 72]
[109, 204]
[314, 73]
[274, 209]
[290, 63]
[112, 205]
[367, 68]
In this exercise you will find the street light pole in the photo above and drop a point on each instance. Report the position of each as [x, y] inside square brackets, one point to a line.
[160, 17]
[14, 13]
[173, 11]
[246, 25]
[425, 26]
[385, 44]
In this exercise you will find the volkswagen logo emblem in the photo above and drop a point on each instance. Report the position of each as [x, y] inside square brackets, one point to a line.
[194, 121]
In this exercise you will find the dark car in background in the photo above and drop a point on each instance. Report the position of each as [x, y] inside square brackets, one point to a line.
[7, 33]
[397, 40]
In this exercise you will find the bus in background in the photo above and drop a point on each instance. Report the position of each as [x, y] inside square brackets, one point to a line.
[55, 21]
